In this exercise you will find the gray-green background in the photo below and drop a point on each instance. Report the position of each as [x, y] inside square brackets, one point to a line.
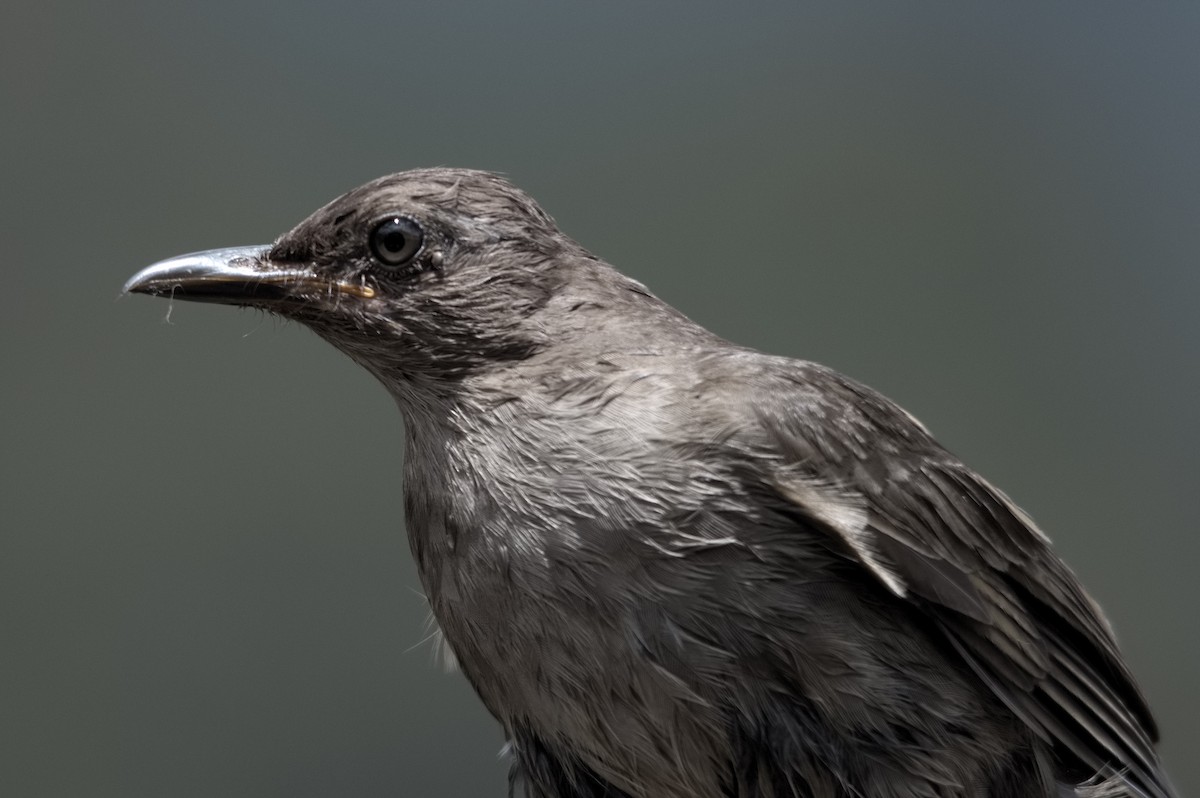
[989, 212]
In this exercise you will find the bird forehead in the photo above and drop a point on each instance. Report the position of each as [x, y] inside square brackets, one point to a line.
[451, 189]
[474, 202]
[454, 205]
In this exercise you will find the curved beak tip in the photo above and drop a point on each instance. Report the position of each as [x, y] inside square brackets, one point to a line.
[240, 276]
[215, 265]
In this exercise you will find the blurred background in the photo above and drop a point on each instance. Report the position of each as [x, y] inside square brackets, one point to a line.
[989, 212]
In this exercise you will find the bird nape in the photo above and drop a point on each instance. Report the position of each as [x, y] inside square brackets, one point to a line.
[673, 567]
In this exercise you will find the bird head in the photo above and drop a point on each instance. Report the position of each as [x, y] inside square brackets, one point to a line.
[430, 273]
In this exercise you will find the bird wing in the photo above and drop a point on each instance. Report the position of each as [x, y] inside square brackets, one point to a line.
[938, 535]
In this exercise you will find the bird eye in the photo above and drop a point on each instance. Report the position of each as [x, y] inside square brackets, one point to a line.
[396, 241]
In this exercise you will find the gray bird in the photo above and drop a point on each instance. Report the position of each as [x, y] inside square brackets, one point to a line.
[674, 567]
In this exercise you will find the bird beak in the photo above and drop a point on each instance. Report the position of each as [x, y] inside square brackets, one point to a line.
[237, 276]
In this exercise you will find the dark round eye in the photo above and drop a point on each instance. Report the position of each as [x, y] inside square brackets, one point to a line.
[396, 241]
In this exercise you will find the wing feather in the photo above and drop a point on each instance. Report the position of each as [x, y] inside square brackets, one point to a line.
[938, 535]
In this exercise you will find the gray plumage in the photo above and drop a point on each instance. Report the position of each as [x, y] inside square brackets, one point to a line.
[673, 567]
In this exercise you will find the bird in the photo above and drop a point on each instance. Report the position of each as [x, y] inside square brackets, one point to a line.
[671, 566]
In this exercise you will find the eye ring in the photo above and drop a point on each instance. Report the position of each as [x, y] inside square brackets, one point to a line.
[396, 241]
